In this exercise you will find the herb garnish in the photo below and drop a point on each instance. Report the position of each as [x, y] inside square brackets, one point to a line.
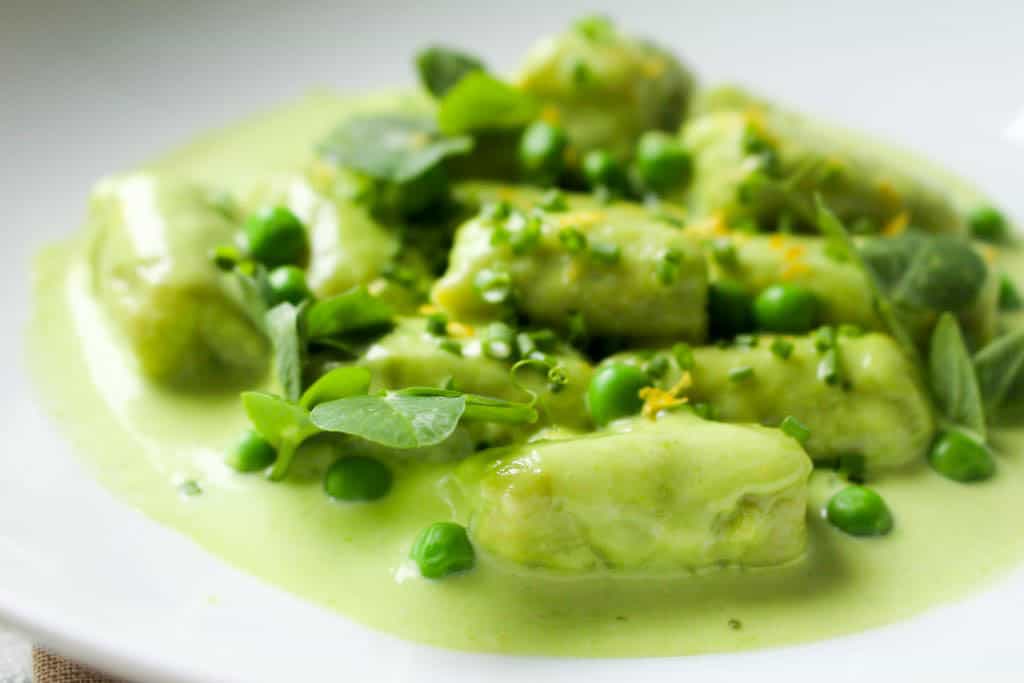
[480, 102]
[952, 378]
[998, 367]
[440, 68]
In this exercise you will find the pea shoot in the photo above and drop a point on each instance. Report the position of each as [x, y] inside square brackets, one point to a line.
[275, 236]
[252, 453]
[442, 549]
[960, 457]
[614, 392]
[542, 152]
[356, 478]
[859, 511]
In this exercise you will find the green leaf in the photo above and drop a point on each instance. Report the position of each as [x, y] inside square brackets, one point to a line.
[487, 409]
[283, 328]
[833, 230]
[282, 423]
[247, 283]
[481, 102]
[395, 420]
[951, 376]
[338, 383]
[998, 366]
[391, 147]
[353, 312]
[440, 68]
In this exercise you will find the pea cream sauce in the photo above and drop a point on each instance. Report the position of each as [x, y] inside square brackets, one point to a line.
[144, 443]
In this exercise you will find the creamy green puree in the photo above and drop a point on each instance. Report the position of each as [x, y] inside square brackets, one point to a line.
[679, 535]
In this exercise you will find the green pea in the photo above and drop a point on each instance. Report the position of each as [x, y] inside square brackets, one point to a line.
[252, 453]
[786, 308]
[987, 223]
[356, 478]
[730, 309]
[661, 162]
[288, 283]
[542, 151]
[601, 169]
[614, 392]
[441, 549]
[275, 236]
[859, 511]
[959, 457]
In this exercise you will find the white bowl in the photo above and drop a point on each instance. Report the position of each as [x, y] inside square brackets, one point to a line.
[95, 87]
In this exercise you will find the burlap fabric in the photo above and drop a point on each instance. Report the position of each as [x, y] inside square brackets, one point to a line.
[49, 668]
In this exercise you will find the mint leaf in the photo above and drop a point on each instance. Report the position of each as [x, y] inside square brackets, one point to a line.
[480, 102]
[394, 419]
[440, 68]
[282, 323]
[951, 377]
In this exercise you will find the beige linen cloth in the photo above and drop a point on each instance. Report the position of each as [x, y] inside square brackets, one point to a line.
[49, 668]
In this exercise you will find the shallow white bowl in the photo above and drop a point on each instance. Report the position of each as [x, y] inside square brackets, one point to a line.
[95, 87]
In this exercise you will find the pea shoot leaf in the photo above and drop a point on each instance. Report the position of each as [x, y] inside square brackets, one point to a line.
[480, 102]
[282, 323]
[440, 68]
[338, 383]
[998, 367]
[396, 420]
[391, 147]
[353, 312]
[281, 422]
[951, 376]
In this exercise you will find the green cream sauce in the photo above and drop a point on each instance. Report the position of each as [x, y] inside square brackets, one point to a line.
[143, 443]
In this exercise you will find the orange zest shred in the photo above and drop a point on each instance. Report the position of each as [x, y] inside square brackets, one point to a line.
[776, 242]
[794, 253]
[457, 329]
[551, 114]
[428, 309]
[896, 224]
[579, 219]
[656, 400]
[988, 253]
[795, 269]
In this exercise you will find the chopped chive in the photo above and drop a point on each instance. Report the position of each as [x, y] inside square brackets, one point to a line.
[499, 341]
[437, 324]
[741, 373]
[496, 211]
[724, 252]
[836, 251]
[494, 286]
[553, 200]
[746, 341]
[853, 466]
[189, 487]
[526, 237]
[828, 367]
[704, 410]
[1009, 297]
[573, 240]
[668, 266]
[605, 252]
[824, 338]
[226, 257]
[796, 429]
[850, 330]
[577, 332]
[683, 355]
[783, 348]
[451, 346]
[545, 340]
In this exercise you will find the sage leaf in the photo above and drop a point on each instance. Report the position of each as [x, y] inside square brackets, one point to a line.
[282, 324]
[951, 376]
[338, 383]
[998, 366]
[395, 420]
[480, 102]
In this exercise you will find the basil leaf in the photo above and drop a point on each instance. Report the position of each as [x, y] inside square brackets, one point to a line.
[998, 366]
[481, 102]
[394, 420]
[353, 312]
[440, 68]
[391, 147]
[282, 323]
[951, 376]
[338, 383]
[282, 423]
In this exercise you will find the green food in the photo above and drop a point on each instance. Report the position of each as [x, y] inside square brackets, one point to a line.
[443, 548]
[252, 453]
[860, 511]
[785, 308]
[614, 392]
[961, 457]
[275, 236]
[613, 400]
[357, 478]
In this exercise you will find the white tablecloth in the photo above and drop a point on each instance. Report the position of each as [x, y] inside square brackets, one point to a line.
[15, 657]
